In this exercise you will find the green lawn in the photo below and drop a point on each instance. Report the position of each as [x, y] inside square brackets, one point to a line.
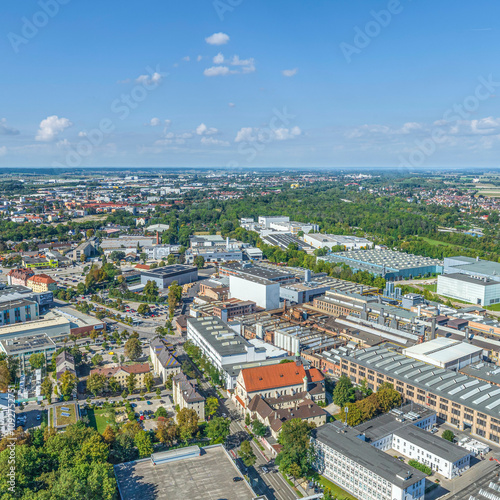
[60, 420]
[493, 307]
[336, 490]
[99, 419]
[431, 288]
[437, 242]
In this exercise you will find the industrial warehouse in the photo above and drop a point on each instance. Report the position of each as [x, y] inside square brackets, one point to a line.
[465, 402]
[389, 264]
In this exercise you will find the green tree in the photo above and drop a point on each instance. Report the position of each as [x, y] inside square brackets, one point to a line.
[96, 360]
[448, 435]
[133, 349]
[144, 309]
[149, 381]
[151, 289]
[218, 429]
[258, 428]
[131, 383]
[211, 406]
[96, 383]
[143, 442]
[344, 392]
[247, 454]
[353, 414]
[161, 412]
[199, 261]
[47, 387]
[167, 432]
[187, 420]
[37, 360]
[388, 397]
[248, 420]
[296, 447]
[68, 384]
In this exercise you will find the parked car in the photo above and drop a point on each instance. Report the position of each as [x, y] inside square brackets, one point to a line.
[149, 403]
[237, 478]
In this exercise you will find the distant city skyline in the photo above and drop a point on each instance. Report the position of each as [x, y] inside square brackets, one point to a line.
[240, 84]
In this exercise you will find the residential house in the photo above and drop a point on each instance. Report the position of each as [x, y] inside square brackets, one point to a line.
[121, 373]
[41, 283]
[186, 396]
[19, 276]
[164, 362]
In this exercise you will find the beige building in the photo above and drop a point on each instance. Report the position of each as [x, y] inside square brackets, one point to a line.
[186, 396]
[164, 362]
[121, 373]
[41, 283]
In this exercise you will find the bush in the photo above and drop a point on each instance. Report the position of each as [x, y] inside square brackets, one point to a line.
[448, 435]
[421, 467]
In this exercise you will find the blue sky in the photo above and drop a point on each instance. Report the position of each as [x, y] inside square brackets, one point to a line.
[249, 83]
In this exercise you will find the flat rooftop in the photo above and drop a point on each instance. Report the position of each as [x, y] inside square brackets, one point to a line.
[465, 278]
[173, 270]
[257, 271]
[31, 343]
[442, 350]
[348, 444]
[205, 477]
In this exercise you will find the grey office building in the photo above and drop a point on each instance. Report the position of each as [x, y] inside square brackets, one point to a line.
[164, 276]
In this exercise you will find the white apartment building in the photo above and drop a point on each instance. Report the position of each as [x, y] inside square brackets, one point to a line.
[222, 346]
[265, 293]
[293, 227]
[440, 455]
[361, 469]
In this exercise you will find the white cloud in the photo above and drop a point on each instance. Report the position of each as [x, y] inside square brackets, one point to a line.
[216, 71]
[63, 144]
[149, 79]
[245, 134]
[3, 151]
[199, 58]
[231, 105]
[155, 122]
[248, 65]
[217, 39]
[218, 59]
[290, 72]
[187, 58]
[282, 134]
[210, 141]
[51, 127]
[241, 66]
[82, 133]
[202, 129]
[249, 134]
[6, 130]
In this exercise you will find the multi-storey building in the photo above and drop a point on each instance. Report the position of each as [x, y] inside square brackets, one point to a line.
[121, 373]
[463, 401]
[23, 347]
[41, 283]
[19, 276]
[185, 395]
[17, 311]
[363, 470]
[163, 361]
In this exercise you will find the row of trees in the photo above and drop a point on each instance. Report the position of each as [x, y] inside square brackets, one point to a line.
[369, 404]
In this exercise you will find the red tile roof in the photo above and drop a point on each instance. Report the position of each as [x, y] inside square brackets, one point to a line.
[42, 278]
[262, 378]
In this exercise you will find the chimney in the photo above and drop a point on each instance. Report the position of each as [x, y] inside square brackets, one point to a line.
[433, 328]
[157, 238]
[227, 243]
[304, 383]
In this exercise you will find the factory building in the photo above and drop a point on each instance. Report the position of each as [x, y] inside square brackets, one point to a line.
[464, 402]
[482, 291]
[389, 264]
[263, 292]
[473, 267]
[446, 353]
[319, 240]
[164, 276]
